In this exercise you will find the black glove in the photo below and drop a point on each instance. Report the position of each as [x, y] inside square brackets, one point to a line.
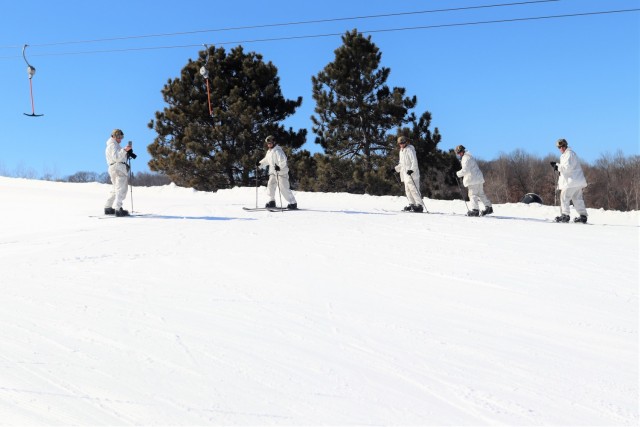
[409, 172]
[131, 155]
[277, 168]
[258, 163]
[554, 165]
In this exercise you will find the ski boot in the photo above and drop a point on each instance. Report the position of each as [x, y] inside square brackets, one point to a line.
[473, 212]
[271, 204]
[292, 206]
[581, 218]
[417, 208]
[122, 212]
[562, 218]
[109, 211]
[408, 208]
[487, 210]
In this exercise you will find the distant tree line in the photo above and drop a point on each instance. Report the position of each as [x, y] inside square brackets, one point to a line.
[224, 104]
[614, 179]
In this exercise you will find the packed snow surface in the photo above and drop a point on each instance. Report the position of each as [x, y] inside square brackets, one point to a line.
[348, 312]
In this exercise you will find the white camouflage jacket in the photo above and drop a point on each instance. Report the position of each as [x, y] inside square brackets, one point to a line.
[116, 156]
[275, 156]
[470, 172]
[571, 174]
[408, 161]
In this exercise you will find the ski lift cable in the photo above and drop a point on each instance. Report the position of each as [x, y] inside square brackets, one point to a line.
[310, 36]
[292, 23]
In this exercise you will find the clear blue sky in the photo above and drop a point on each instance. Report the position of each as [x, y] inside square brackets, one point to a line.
[492, 87]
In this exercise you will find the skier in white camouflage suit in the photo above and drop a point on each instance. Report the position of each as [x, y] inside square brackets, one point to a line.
[409, 172]
[473, 179]
[278, 174]
[118, 172]
[570, 182]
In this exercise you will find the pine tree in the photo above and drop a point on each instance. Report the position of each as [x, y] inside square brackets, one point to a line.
[359, 118]
[219, 150]
[355, 109]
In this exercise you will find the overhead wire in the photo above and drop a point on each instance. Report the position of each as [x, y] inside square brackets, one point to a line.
[311, 36]
[285, 24]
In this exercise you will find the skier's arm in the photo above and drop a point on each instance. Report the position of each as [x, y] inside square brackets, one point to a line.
[565, 164]
[462, 172]
[262, 163]
[280, 159]
[414, 160]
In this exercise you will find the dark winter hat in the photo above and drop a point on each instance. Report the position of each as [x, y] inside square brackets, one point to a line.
[402, 140]
[269, 139]
[117, 133]
[460, 149]
[562, 143]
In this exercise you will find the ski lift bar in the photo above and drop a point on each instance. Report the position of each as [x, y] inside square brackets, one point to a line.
[31, 71]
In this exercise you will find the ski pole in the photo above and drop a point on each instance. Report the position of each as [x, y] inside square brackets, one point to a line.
[130, 182]
[555, 193]
[256, 187]
[462, 195]
[279, 191]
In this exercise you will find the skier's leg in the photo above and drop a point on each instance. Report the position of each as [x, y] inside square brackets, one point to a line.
[565, 200]
[482, 196]
[473, 196]
[578, 201]
[286, 190]
[271, 188]
[409, 190]
[112, 192]
[122, 185]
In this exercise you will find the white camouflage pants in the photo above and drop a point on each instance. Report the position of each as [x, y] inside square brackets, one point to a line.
[476, 194]
[120, 181]
[282, 181]
[574, 195]
[411, 190]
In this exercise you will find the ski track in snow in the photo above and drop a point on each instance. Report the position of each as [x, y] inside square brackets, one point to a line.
[344, 313]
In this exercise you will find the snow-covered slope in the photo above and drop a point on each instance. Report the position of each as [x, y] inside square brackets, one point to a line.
[345, 313]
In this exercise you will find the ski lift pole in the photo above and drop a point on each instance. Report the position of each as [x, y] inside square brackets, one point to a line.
[31, 71]
[205, 73]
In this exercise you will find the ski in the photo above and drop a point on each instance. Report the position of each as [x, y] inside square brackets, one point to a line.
[131, 215]
[283, 209]
[270, 209]
[402, 211]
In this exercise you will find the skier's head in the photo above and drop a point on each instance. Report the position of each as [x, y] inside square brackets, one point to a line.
[270, 140]
[402, 140]
[562, 143]
[117, 133]
[460, 150]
